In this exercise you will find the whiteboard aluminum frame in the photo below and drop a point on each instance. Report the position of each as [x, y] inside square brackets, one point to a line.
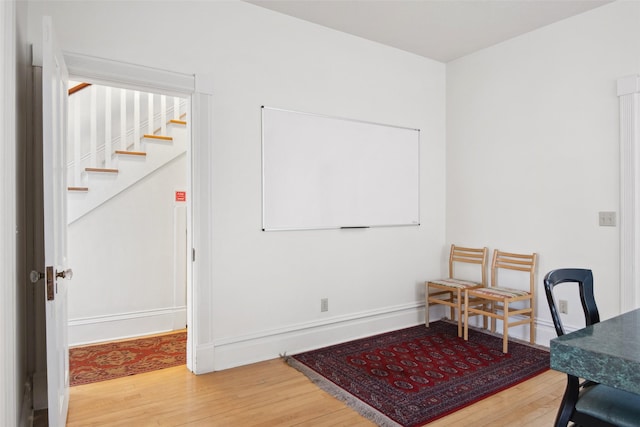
[262, 109]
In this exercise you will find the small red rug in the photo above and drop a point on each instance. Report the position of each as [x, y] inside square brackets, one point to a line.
[102, 362]
[416, 375]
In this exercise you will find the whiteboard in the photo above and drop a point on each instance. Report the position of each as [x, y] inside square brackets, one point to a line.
[322, 172]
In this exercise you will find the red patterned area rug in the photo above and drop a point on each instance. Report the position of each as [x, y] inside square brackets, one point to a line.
[416, 375]
[102, 362]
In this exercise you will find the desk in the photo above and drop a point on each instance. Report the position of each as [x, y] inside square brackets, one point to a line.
[607, 352]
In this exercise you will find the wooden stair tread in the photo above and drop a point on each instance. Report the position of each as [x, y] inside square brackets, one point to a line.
[178, 122]
[78, 88]
[83, 189]
[161, 137]
[131, 153]
[102, 170]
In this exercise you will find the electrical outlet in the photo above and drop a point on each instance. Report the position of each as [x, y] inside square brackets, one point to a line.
[607, 219]
[563, 306]
[324, 304]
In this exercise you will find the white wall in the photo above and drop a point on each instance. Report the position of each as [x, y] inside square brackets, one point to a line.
[16, 326]
[533, 147]
[267, 286]
[128, 261]
[11, 368]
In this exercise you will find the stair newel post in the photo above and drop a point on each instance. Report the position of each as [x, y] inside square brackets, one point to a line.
[77, 156]
[150, 119]
[163, 115]
[107, 127]
[123, 119]
[93, 117]
[136, 121]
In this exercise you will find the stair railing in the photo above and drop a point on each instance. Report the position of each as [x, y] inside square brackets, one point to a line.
[94, 147]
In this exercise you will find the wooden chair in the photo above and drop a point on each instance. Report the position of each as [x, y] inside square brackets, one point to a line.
[496, 301]
[449, 291]
[588, 403]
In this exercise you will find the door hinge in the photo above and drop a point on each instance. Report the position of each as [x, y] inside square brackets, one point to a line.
[51, 280]
[193, 254]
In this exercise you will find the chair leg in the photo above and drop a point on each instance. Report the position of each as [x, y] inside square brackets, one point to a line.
[505, 327]
[426, 305]
[466, 316]
[459, 304]
[452, 308]
[493, 319]
[485, 319]
[568, 403]
[532, 330]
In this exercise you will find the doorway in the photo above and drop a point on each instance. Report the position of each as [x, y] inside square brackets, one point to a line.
[198, 89]
[127, 208]
[200, 357]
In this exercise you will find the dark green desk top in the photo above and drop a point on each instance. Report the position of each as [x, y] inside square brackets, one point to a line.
[607, 352]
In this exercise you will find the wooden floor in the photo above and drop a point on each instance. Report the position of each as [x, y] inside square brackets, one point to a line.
[273, 394]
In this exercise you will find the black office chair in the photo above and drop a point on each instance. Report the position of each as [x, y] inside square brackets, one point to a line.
[589, 403]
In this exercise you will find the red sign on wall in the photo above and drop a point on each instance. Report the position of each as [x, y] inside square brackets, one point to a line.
[181, 196]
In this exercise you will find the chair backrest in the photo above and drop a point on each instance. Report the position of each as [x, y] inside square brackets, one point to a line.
[516, 262]
[584, 279]
[469, 256]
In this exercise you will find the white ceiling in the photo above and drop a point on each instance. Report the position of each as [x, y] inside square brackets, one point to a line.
[438, 29]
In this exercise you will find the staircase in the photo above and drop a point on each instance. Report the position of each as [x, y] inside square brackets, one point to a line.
[151, 131]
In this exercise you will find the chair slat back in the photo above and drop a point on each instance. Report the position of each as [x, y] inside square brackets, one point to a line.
[516, 262]
[584, 279]
[469, 256]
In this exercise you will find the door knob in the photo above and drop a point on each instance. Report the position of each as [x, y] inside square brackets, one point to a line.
[35, 276]
[65, 274]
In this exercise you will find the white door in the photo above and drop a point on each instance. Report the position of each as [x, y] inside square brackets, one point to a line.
[54, 132]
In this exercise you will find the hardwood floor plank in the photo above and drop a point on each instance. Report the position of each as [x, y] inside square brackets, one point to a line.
[273, 394]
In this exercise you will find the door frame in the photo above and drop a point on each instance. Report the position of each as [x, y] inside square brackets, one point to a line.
[197, 90]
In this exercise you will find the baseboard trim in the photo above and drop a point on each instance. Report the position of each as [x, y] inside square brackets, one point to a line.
[545, 330]
[205, 357]
[95, 329]
[226, 353]
[270, 344]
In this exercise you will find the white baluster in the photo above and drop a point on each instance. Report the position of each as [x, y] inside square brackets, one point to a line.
[93, 138]
[163, 115]
[136, 121]
[176, 108]
[123, 119]
[150, 130]
[77, 144]
[107, 127]
[71, 177]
